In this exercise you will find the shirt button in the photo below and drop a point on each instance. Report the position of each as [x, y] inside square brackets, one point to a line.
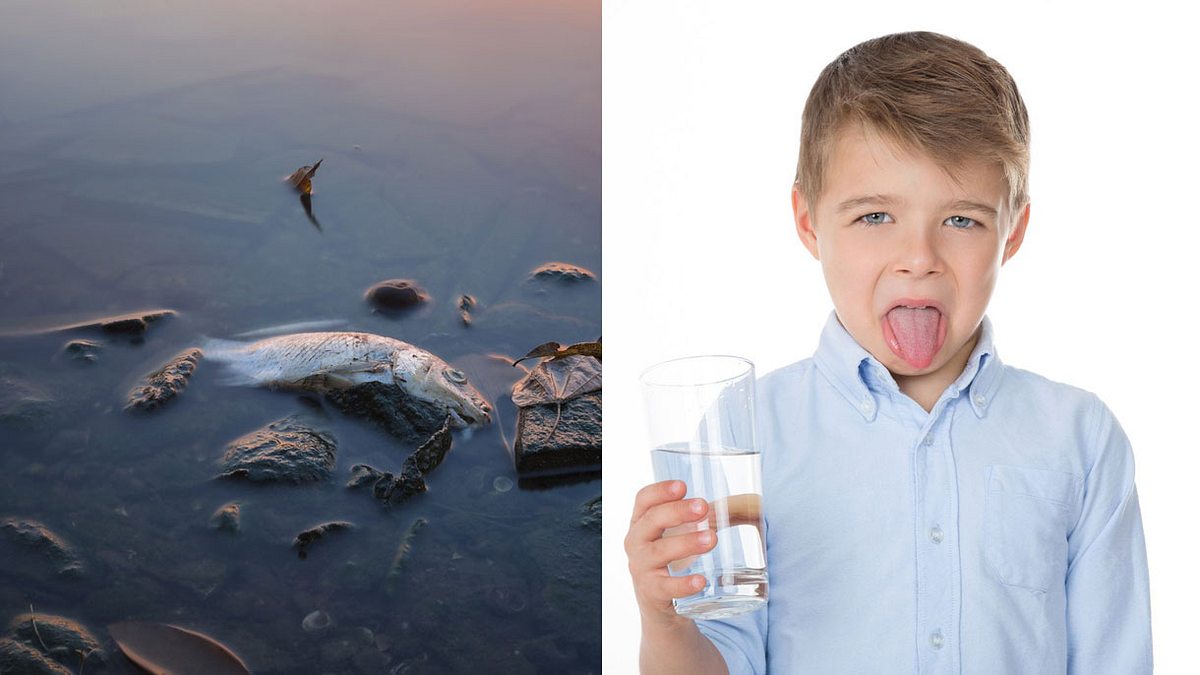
[928, 439]
[866, 405]
[936, 640]
[980, 400]
[936, 535]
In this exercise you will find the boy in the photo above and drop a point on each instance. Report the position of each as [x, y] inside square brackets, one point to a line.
[928, 509]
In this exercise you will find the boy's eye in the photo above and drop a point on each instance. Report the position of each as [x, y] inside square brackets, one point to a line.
[877, 218]
[961, 222]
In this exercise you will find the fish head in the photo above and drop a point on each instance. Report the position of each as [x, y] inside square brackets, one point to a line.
[443, 384]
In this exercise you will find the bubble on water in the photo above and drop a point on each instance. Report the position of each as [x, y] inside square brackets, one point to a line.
[502, 484]
[316, 621]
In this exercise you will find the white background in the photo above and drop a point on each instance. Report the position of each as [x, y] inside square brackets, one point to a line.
[702, 105]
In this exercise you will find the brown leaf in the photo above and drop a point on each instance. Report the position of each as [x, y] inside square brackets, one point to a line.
[557, 351]
[301, 178]
[162, 648]
[558, 380]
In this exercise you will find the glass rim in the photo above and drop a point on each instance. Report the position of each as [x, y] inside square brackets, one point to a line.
[644, 379]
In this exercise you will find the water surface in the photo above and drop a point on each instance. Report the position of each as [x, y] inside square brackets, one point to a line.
[142, 152]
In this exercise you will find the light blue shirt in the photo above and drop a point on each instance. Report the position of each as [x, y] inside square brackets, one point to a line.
[997, 533]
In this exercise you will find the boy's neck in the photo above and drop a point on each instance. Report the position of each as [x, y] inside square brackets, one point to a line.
[926, 389]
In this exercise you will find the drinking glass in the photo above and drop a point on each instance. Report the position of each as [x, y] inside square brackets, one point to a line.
[700, 417]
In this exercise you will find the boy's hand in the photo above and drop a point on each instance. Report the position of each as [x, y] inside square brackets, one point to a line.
[657, 508]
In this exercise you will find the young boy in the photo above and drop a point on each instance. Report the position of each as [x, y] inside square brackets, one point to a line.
[928, 508]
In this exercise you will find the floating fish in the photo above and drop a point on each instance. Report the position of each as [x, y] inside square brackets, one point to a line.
[326, 361]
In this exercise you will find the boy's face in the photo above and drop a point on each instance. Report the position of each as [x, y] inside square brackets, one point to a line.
[910, 254]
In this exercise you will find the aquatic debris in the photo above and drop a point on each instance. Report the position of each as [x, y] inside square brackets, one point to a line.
[394, 295]
[165, 383]
[19, 657]
[227, 518]
[390, 488]
[558, 381]
[40, 539]
[310, 536]
[86, 351]
[562, 272]
[593, 516]
[59, 638]
[316, 622]
[403, 552]
[287, 450]
[328, 362]
[466, 303]
[502, 484]
[386, 486]
[557, 351]
[163, 648]
[301, 178]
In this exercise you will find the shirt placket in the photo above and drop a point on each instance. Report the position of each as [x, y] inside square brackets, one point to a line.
[937, 551]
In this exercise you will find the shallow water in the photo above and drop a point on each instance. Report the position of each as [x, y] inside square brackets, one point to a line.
[142, 152]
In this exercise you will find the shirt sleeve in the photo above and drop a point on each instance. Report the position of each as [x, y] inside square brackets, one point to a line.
[741, 640]
[1108, 587]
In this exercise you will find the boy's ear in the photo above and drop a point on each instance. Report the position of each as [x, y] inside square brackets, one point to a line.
[1017, 235]
[803, 218]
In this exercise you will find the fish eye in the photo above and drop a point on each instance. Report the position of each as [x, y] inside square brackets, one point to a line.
[456, 376]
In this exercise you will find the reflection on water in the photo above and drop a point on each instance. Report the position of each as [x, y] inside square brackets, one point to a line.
[143, 152]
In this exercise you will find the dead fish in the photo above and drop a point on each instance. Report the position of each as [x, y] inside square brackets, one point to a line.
[338, 360]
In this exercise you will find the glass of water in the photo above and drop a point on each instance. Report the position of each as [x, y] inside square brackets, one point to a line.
[700, 415]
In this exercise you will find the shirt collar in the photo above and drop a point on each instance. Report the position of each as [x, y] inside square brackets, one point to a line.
[859, 377]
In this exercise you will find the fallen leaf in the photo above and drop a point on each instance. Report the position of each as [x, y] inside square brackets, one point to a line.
[162, 648]
[558, 381]
[557, 351]
[301, 178]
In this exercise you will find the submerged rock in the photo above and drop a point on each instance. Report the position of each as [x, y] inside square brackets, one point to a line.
[466, 303]
[551, 439]
[312, 535]
[395, 295]
[562, 272]
[39, 539]
[287, 450]
[61, 639]
[19, 657]
[132, 324]
[83, 351]
[227, 518]
[165, 383]
[390, 407]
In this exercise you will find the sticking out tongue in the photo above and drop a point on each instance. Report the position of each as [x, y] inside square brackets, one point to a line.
[914, 334]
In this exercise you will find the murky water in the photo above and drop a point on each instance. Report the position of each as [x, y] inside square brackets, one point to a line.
[142, 149]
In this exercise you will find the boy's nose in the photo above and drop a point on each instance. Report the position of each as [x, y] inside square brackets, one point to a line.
[917, 256]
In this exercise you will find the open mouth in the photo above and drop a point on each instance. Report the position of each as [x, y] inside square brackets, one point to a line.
[915, 330]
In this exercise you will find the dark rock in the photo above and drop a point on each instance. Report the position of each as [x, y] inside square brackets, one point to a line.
[554, 440]
[18, 657]
[310, 536]
[386, 486]
[39, 539]
[132, 324]
[84, 351]
[465, 304]
[165, 383]
[562, 272]
[396, 294]
[61, 638]
[227, 518]
[390, 407]
[286, 450]
[431, 453]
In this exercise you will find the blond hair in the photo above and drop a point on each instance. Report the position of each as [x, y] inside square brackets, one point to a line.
[926, 92]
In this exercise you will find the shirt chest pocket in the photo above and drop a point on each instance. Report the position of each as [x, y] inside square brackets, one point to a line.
[1027, 515]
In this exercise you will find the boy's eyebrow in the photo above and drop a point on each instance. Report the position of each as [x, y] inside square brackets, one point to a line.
[855, 203]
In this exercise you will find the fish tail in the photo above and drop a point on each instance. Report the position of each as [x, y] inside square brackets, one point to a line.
[231, 354]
